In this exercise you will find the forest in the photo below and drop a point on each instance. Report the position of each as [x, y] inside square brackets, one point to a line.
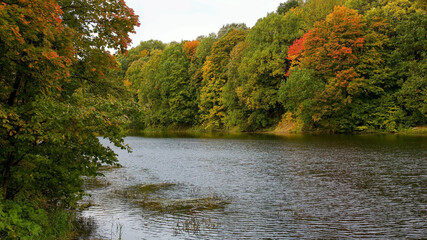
[338, 66]
[319, 65]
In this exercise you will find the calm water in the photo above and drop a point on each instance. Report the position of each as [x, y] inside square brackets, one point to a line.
[280, 187]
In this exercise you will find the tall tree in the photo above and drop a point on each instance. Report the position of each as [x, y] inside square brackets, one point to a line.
[214, 79]
[54, 96]
[202, 52]
[332, 49]
[149, 96]
[264, 66]
[178, 95]
[236, 111]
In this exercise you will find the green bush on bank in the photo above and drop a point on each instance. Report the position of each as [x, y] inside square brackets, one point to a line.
[25, 220]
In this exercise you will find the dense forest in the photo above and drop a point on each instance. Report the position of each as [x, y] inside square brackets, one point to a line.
[327, 65]
[315, 65]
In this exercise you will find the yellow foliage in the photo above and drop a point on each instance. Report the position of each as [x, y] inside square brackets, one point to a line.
[127, 83]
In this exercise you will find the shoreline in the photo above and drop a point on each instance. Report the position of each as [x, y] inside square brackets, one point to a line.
[414, 131]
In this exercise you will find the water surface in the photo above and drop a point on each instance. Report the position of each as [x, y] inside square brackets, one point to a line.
[280, 187]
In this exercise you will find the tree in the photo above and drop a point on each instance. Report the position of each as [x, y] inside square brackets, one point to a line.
[317, 10]
[236, 111]
[295, 53]
[297, 94]
[264, 66]
[190, 48]
[143, 50]
[149, 96]
[288, 5]
[202, 52]
[412, 42]
[332, 49]
[178, 95]
[214, 79]
[54, 96]
[230, 27]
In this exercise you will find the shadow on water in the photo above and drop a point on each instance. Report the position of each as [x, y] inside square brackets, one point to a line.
[375, 139]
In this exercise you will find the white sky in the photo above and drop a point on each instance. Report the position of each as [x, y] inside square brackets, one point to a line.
[176, 20]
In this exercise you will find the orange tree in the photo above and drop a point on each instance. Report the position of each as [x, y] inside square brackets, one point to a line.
[54, 100]
[332, 48]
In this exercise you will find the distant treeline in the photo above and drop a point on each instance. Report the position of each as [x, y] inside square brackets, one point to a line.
[331, 65]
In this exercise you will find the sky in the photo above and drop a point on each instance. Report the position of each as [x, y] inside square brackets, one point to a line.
[177, 20]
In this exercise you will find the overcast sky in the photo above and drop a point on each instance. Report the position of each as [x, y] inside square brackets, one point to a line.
[176, 20]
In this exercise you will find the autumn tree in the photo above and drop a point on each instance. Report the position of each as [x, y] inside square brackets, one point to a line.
[264, 66]
[214, 79]
[295, 53]
[190, 48]
[54, 100]
[236, 111]
[202, 52]
[332, 48]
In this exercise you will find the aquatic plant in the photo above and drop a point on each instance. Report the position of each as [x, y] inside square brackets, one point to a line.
[142, 191]
[183, 205]
[146, 197]
[95, 182]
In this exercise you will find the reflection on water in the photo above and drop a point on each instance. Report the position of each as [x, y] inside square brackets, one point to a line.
[280, 187]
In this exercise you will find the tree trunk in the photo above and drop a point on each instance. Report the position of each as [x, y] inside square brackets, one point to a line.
[6, 176]
[14, 92]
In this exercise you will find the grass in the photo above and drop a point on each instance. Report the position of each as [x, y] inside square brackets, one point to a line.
[421, 130]
[183, 205]
[143, 191]
[144, 195]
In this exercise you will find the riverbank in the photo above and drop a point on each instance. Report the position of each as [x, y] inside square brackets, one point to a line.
[280, 130]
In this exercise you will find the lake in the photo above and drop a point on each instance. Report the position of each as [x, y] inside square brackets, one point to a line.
[291, 187]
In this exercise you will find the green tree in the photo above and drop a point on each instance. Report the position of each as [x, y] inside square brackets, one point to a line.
[398, 27]
[149, 96]
[297, 94]
[236, 111]
[264, 66]
[317, 10]
[140, 53]
[230, 27]
[202, 52]
[412, 49]
[178, 95]
[214, 79]
[283, 8]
